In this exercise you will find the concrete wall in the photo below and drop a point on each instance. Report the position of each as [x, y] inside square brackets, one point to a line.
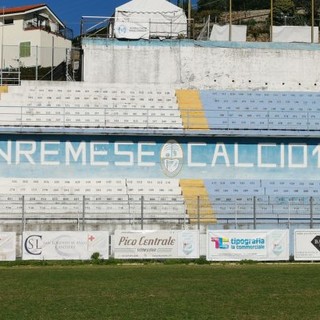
[203, 64]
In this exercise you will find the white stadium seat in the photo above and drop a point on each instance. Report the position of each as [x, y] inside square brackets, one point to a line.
[89, 105]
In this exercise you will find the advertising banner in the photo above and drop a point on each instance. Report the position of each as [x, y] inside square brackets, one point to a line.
[158, 244]
[131, 30]
[307, 245]
[7, 246]
[236, 245]
[68, 245]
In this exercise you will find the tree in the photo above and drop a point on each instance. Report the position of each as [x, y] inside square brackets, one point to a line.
[236, 5]
[283, 9]
[212, 5]
[242, 5]
[304, 6]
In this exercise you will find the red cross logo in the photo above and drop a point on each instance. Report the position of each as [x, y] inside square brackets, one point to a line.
[91, 238]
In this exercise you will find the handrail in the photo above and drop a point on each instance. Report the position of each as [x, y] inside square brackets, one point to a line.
[10, 77]
[115, 116]
[51, 207]
[103, 26]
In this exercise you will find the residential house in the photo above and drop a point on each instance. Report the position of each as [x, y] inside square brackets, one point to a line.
[32, 35]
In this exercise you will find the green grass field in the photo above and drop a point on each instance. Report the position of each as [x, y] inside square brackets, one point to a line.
[160, 291]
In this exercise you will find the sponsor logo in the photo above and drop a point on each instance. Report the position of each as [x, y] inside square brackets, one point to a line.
[220, 242]
[238, 243]
[171, 158]
[91, 238]
[187, 243]
[122, 29]
[316, 242]
[277, 248]
[33, 245]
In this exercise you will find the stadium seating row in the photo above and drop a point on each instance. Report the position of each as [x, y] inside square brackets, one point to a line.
[112, 199]
[163, 199]
[97, 106]
[241, 110]
[73, 105]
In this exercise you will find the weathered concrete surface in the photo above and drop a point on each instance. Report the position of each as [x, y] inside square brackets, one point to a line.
[199, 65]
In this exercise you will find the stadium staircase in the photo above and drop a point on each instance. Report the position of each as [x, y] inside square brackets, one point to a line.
[198, 205]
[192, 112]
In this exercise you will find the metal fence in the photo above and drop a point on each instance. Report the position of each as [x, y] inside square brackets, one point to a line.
[40, 63]
[10, 76]
[80, 211]
[256, 210]
[103, 27]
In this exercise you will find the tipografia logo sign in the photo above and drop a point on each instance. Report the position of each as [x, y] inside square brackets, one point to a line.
[238, 243]
[234, 245]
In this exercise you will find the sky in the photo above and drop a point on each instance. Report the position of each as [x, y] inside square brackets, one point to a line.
[71, 11]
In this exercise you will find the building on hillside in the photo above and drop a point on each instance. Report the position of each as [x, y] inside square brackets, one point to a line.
[32, 35]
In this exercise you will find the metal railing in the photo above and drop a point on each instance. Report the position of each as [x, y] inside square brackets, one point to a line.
[80, 210]
[40, 63]
[285, 120]
[87, 116]
[70, 114]
[104, 27]
[10, 76]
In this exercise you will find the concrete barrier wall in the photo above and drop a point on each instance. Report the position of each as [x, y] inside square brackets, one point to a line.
[216, 65]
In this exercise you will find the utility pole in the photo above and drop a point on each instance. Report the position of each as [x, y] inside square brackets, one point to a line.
[271, 19]
[312, 20]
[230, 20]
[2, 47]
[189, 18]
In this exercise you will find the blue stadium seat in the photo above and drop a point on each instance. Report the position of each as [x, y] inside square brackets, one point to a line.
[252, 110]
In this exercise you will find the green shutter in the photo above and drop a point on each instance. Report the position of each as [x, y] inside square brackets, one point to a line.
[25, 49]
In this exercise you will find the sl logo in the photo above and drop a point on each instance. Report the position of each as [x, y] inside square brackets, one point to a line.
[171, 158]
[33, 245]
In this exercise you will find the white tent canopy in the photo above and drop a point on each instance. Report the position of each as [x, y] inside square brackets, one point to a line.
[149, 19]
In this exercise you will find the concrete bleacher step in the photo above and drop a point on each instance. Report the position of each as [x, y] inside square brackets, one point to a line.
[198, 204]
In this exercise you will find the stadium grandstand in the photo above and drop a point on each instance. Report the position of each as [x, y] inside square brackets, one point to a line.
[165, 133]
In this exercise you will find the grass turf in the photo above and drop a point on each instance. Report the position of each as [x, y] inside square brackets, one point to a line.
[158, 291]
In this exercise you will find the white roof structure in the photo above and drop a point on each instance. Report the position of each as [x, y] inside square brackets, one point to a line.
[147, 6]
[149, 19]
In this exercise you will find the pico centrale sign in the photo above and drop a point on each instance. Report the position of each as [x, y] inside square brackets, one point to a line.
[160, 244]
